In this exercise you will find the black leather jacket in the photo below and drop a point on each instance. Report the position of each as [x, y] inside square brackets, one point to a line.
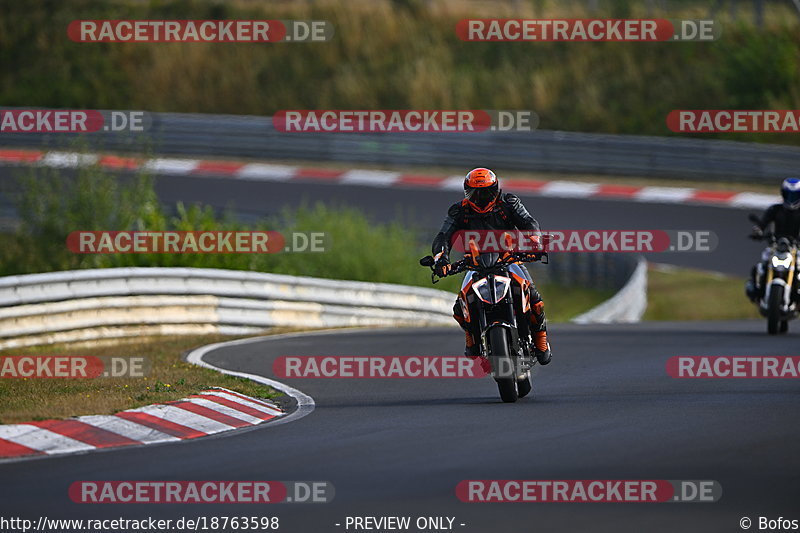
[509, 213]
[786, 221]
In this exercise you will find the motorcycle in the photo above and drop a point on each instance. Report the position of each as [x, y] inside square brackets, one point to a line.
[495, 292]
[778, 282]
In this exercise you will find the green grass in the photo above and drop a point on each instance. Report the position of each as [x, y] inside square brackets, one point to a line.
[563, 303]
[169, 379]
[403, 54]
[686, 294]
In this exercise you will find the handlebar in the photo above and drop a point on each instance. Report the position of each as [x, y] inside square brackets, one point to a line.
[466, 264]
[758, 234]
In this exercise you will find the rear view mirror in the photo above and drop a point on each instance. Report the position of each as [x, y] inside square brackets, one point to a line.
[426, 261]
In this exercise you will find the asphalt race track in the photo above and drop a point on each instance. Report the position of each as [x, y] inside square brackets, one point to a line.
[604, 409]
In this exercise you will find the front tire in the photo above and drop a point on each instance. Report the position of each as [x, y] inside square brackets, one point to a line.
[502, 365]
[524, 386]
[774, 310]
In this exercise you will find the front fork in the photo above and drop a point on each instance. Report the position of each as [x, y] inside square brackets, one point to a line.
[519, 348]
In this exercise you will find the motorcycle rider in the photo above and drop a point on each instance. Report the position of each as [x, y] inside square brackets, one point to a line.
[785, 219]
[486, 207]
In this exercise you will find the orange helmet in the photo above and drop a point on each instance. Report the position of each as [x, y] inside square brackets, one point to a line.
[481, 189]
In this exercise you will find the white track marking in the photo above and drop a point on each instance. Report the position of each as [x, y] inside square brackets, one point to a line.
[260, 171]
[67, 159]
[262, 408]
[568, 189]
[42, 440]
[452, 183]
[664, 194]
[127, 428]
[191, 420]
[373, 178]
[754, 200]
[225, 410]
[171, 166]
[305, 403]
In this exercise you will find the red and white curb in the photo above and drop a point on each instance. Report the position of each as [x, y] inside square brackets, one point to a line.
[210, 412]
[382, 178]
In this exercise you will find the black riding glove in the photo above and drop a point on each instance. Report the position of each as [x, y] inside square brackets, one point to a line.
[442, 265]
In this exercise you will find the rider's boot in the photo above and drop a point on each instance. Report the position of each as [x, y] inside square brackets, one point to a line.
[473, 351]
[751, 288]
[471, 347]
[541, 348]
[751, 291]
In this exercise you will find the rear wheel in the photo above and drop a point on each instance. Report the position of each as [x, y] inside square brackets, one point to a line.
[774, 310]
[502, 365]
[784, 327]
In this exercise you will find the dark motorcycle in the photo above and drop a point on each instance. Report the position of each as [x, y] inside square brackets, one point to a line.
[494, 293]
[777, 281]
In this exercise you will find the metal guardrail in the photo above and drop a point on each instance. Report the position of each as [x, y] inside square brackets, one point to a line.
[87, 305]
[543, 150]
[593, 270]
[628, 305]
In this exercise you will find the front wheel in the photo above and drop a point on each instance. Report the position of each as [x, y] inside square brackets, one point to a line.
[502, 365]
[524, 386]
[775, 305]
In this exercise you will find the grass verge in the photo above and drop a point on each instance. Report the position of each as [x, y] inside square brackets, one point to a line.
[170, 378]
[685, 294]
[563, 303]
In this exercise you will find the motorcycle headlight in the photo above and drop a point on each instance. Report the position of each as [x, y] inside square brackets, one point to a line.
[492, 290]
[481, 288]
[782, 261]
[501, 285]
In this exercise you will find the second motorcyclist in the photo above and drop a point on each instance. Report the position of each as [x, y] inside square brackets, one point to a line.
[784, 220]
